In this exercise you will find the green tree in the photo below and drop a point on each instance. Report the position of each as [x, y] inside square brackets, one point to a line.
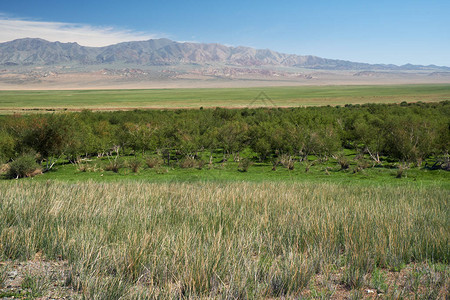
[371, 134]
[233, 137]
[7, 147]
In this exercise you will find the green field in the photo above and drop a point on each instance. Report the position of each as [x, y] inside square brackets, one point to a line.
[11, 101]
[95, 169]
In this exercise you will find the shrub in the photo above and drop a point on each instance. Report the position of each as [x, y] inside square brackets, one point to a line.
[23, 166]
[114, 165]
[244, 165]
[343, 162]
[287, 161]
[153, 162]
[135, 164]
[188, 162]
[291, 165]
[160, 170]
[82, 167]
[200, 164]
[400, 171]
[363, 164]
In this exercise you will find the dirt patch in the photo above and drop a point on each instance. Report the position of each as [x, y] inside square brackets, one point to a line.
[42, 279]
[37, 278]
[415, 281]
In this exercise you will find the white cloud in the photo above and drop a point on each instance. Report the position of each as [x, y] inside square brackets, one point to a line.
[86, 35]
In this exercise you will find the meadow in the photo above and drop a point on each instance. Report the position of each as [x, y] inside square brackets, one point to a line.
[152, 170]
[29, 101]
[319, 203]
[140, 240]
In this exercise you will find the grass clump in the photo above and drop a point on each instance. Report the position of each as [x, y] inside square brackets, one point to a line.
[378, 281]
[36, 285]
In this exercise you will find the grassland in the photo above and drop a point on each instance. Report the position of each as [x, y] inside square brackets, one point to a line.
[172, 232]
[95, 169]
[16, 101]
[136, 240]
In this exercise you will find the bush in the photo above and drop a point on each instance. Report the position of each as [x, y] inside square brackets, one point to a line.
[187, 163]
[244, 165]
[82, 167]
[363, 164]
[135, 164]
[114, 165]
[400, 171]
[200, 164]
[287, 161]
[343, 162]
[23, 166]
[87, 168]
[153, 162]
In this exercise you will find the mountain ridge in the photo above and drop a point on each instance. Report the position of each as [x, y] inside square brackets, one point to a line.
[35, 51]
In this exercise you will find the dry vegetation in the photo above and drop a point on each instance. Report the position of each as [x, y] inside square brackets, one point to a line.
[137, 240]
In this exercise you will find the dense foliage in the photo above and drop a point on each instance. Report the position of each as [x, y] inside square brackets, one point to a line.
[23, 166]
[405, 132]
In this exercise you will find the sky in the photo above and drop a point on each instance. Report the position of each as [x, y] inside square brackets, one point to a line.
[395, 31]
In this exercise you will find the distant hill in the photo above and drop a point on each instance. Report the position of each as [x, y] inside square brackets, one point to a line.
[32, 51]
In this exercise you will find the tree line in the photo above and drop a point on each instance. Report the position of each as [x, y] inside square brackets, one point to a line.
[407, 132]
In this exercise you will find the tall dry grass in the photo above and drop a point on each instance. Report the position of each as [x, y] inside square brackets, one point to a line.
[250, 240]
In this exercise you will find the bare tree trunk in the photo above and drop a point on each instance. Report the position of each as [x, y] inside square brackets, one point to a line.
[50, 163]
[374, 156]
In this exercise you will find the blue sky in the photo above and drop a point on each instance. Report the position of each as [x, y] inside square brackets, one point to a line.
[379, 31]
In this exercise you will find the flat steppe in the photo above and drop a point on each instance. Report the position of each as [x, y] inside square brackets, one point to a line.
[288, 96]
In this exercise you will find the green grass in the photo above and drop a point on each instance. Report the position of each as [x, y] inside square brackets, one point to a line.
[327, 172]
[11, 101]
[136, 239]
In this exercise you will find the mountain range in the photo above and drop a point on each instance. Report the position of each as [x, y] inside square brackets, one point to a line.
[160, 52]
